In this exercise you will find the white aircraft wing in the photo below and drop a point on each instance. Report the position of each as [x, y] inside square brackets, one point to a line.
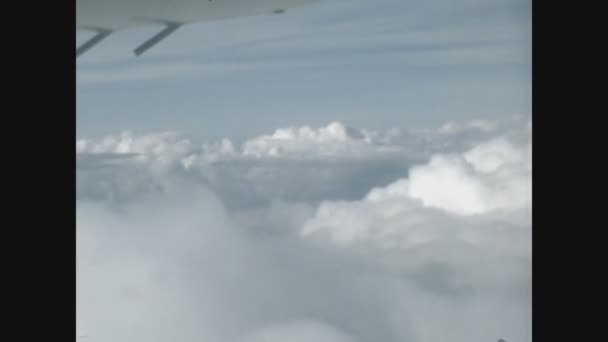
[107, 16]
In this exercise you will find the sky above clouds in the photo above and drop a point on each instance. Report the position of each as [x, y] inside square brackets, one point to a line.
[352, 171]
[380, 64]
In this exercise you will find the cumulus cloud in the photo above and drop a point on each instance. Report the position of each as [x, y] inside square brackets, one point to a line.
[331, 162]
[334, 140]
[491, 181]
[257, 171]
[493, 175]
[457, 228]
[267, 240]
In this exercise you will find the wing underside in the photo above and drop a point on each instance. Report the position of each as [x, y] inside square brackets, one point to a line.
[105, 17]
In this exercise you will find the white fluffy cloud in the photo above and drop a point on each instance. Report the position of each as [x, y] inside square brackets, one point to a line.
[493, 175]
[325, 160]
[329, 234]
[457, 228]
[334, 140]
[331, 162]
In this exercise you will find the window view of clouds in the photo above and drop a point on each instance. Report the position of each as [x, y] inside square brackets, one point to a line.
[348, 171]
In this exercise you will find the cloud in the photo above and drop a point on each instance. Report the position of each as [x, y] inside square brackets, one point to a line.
[458, 230]
[331, 162]
[486, 181]
[260, 169]
[455, 127]
[493, 175]
[176, 266]
[328, 234]
[334, 140]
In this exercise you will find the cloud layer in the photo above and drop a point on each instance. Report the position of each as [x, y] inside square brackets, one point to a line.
[327, 234]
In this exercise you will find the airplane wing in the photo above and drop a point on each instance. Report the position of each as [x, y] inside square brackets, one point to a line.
[104, 17]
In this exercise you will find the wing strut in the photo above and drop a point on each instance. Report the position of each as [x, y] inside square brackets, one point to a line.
[96, 39]
[170, 27]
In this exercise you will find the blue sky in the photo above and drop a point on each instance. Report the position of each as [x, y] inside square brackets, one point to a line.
[378, 65]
